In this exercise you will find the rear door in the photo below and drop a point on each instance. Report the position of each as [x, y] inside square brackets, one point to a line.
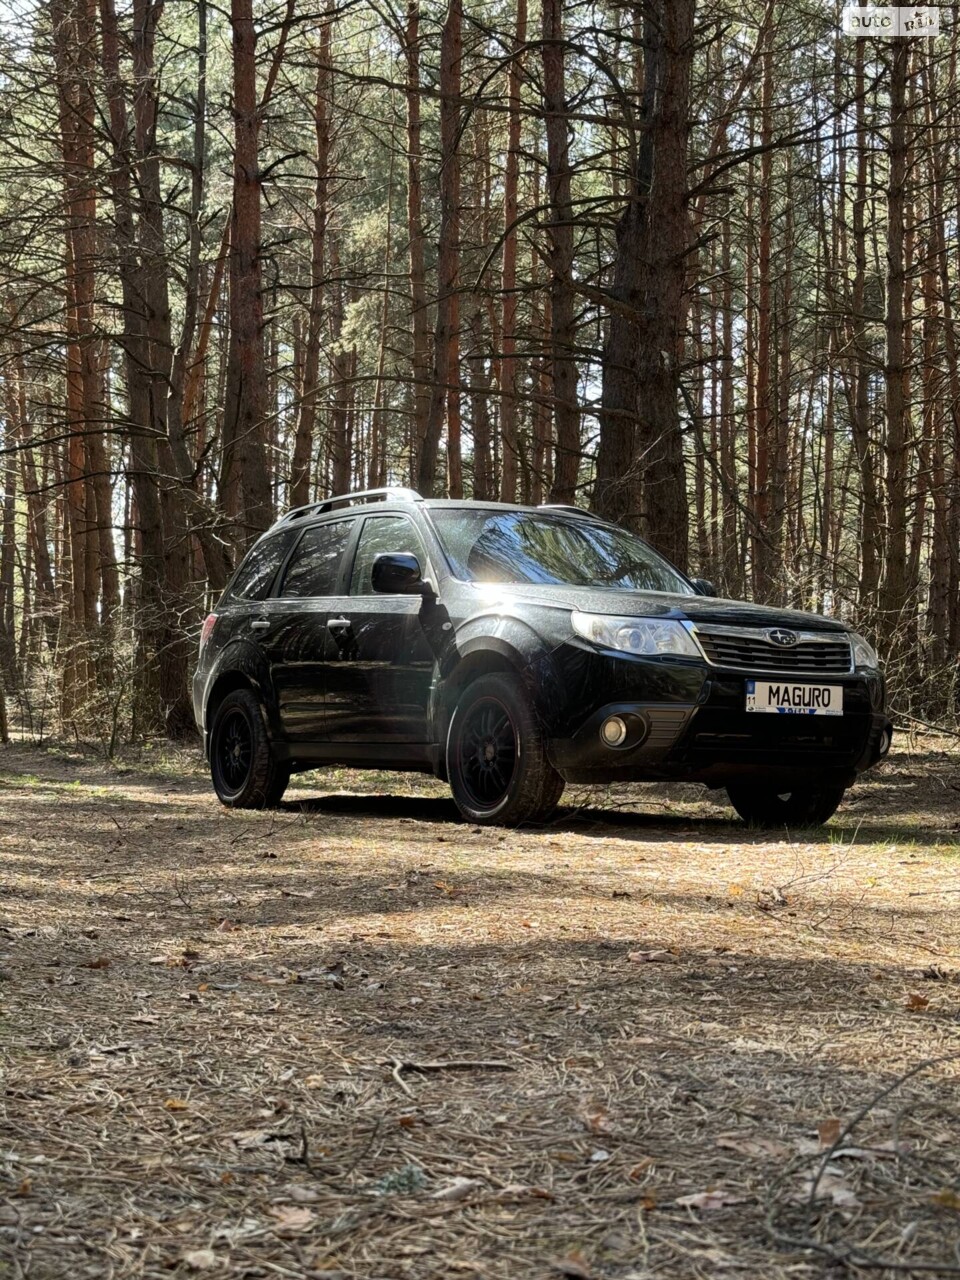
[378, 685]
[245, 608]
[295, 635]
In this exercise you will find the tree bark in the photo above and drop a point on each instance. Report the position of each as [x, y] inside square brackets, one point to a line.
[640, 423]
[445, 394]
[245, 483]
[893, 589]
[509, 405]
[563, 325]
[301, 465]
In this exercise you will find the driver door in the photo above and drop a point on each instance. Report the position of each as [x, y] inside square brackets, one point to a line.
[378, 684]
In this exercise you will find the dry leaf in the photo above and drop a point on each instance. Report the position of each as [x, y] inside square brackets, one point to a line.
[916, 1001]
[573, 1269]
[770, 898]
[755, 1148]
[828, 1131]
[829, 1187]
[456, 1189]
[451, 890]
[177, 1104]
[200, 1259]
[596, 1118]
[101, 962]
[659, 956]
[715, 1198]
[291, 1217]
[300, 1194]
[248, 1139]
[315, 1081]
[946, 1199]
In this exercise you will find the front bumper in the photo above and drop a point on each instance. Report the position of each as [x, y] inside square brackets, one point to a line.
[715, 741]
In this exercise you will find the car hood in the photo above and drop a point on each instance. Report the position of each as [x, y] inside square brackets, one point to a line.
[653, 604]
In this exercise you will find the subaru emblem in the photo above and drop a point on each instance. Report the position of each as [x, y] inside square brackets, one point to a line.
[785, 639]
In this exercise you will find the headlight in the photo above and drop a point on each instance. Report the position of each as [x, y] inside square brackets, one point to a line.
[864, 654]
[635, 635]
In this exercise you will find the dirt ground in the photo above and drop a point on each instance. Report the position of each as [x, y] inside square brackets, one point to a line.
[359, 1038]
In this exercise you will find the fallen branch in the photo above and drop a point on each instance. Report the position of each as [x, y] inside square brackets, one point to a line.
[934, 728]
[454, 1064]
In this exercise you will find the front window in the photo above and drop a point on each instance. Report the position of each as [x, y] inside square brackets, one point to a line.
[523, 546]
[383, 534]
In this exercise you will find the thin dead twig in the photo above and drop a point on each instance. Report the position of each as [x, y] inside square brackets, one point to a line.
[454, 1064]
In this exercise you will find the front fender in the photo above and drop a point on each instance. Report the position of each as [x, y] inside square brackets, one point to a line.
[514, 642]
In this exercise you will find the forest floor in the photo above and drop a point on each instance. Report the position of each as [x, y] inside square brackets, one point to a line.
[358, 1038]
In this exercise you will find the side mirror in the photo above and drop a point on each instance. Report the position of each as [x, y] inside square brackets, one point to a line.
[703, 587]
[398, 573]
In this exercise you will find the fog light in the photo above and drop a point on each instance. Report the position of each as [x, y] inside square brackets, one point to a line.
[613, 731]
[885, 740]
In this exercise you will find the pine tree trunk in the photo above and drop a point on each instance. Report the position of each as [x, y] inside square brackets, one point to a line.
[508, 344]
[563, 326]
[445, 392]
[245, 480]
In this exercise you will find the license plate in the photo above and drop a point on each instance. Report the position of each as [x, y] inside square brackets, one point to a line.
[780, 698]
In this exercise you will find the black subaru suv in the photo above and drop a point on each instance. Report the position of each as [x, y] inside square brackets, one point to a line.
[512, 649]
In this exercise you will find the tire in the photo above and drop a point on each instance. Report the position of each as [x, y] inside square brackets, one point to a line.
[245, 772]
[760, 805]
[496, 762]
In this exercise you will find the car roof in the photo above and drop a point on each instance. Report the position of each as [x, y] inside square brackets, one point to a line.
[317, 512]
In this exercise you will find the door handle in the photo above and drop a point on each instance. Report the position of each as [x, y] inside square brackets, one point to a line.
[259, 624]
[338, 624]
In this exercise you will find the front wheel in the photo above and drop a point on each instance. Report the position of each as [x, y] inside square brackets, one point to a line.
[762, 805]
[496, 762]
[246, 774]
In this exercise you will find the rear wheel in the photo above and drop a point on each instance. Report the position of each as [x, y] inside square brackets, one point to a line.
[244, 769]
[762, 805]
[496, 762]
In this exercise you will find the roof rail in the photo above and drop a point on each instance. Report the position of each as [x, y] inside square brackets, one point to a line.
[340, 499]
[569, 506]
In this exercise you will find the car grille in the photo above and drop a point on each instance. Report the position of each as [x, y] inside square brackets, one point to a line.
[749, 649]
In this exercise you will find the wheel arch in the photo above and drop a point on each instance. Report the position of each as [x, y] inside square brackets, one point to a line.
[222, 686]
[226, 682]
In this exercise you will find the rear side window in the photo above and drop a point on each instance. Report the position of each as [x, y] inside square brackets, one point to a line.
[315, 565]
[256, 574]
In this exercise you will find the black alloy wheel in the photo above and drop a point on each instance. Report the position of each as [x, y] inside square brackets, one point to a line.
[245, 771]
[496, 755]
[235, 750]
[487, 749]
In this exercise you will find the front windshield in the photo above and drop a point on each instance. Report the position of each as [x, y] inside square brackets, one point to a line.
[524, 546]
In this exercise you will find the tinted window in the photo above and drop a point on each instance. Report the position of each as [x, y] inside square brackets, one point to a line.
[379, 534]
[258, 571]
[518, 546]
[315, 565]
